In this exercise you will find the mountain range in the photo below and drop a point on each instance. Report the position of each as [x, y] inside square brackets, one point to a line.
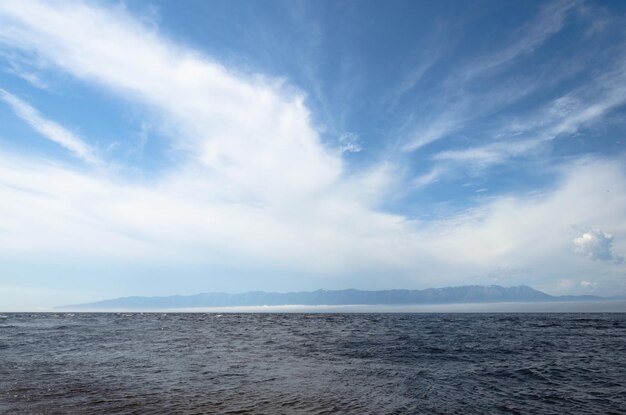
[447, 295]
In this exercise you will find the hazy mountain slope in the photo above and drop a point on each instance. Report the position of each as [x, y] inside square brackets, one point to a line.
[448, 295]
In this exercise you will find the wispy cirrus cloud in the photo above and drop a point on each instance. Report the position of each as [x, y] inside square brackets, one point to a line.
[49, 129]
[29, 76]
[549, 21]
[566, 115]
[556, 114]
[460, 105]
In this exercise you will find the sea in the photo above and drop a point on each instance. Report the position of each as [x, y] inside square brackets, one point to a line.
[291, 363]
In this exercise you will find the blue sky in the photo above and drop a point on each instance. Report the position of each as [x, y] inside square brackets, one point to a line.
[150, 148]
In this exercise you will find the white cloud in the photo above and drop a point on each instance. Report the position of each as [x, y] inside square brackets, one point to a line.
[349, 142]
[566, 115]
[254, 186]
[575, 110]
[597, 245]
[549, 21]
[427, 178]
[477, 156]
[50, 211]
[459, 106]
[444, 124]
[49, 129]
[532, 230]
[248, 130]
[583, 106]
[474, 160]
[607, 94]
[29, 76]
[589, 285]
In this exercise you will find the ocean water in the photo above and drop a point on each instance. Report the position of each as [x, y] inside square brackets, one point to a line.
[313, 363]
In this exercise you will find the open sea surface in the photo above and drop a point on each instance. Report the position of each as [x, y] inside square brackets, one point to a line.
[312, 363]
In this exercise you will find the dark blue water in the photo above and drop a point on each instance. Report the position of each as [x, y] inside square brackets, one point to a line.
[313, 363]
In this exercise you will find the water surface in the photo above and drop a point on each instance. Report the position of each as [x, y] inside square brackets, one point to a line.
[313, 363]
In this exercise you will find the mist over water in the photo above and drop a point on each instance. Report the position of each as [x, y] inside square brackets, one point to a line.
[605, 306]
[312, 363]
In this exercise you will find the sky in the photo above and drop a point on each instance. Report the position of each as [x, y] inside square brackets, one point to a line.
[154, 148]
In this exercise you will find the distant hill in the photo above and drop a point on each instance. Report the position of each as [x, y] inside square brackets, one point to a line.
[448, 295]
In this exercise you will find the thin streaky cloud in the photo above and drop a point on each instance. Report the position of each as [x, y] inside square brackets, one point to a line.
[49, 129]
[461, 106]
[548, 22]
[564, 115]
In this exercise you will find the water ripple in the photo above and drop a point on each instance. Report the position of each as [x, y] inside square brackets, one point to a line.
[313, 364]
